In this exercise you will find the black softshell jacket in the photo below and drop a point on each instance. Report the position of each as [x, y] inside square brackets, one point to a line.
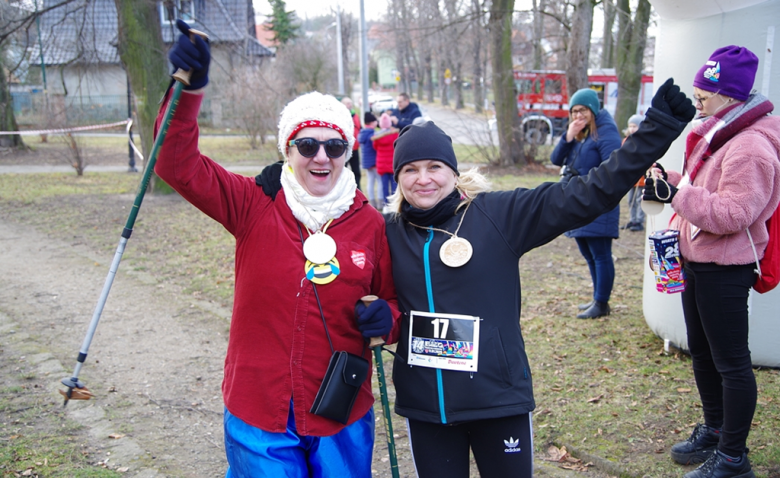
[501, 226]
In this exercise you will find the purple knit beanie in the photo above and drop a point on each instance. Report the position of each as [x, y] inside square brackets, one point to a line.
[730, 71]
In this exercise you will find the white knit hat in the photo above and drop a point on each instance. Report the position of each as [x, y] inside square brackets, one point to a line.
[315, 110]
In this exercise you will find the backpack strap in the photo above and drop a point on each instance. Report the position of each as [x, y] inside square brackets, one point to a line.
[755, 254]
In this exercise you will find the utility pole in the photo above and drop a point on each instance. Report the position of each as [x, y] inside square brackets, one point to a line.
[363, 60]
[341, 53]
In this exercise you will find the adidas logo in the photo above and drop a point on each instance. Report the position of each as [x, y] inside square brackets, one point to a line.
[511, 446]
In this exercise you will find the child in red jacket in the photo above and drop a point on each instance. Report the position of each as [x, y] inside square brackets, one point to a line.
[384, 140]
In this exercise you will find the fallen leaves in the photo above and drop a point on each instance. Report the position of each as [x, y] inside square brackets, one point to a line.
[566, 461]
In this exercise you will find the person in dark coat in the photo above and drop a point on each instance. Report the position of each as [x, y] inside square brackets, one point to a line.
[590, 138]
[461, 373]
[406, 112]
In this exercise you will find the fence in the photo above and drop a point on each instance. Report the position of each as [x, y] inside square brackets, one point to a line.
[35, 110]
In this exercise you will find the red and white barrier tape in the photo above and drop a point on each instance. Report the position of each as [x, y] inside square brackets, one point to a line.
[65, 130]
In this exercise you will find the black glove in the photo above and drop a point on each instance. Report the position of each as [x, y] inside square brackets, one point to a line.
[375, 320]
[663, 171]
[673, 102]
[270, 179]
[191, 54]
[659, 191]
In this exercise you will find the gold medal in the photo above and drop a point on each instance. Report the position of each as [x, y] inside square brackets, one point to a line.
[455, 251]
[319, 248]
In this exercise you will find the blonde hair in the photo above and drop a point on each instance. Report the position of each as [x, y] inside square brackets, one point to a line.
[470, 184]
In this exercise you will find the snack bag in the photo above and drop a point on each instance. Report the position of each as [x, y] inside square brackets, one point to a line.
[666, 261]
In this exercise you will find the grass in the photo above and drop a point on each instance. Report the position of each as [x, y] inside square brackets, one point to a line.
[604, 388]
[36, 439]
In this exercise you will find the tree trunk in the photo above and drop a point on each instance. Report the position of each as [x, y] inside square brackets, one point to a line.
[579, 46]
[476, 83]
[500, 26]
[429, 75]
[7, 118]
[608, 49]
[632, 38]
[538, 8]
[142, 52]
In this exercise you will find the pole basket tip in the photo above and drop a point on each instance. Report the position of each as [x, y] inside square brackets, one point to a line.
[76, 390]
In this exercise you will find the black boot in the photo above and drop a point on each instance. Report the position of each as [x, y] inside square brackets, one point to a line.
[698, 447]
[598, 309]
[586, 306]
[719, 466]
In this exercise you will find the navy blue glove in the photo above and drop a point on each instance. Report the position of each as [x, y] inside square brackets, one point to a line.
[673, 102]
[376, 320]
[191, 54]
[270, 179]
[659, 191]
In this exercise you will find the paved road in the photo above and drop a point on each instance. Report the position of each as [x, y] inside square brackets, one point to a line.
[465, 127]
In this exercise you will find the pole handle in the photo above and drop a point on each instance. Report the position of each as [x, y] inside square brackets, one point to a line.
[374, 341]
[184, 76]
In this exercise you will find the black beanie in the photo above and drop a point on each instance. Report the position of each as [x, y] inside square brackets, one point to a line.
[423, 141]
[368, 117]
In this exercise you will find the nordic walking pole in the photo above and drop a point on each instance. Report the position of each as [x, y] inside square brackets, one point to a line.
[76, 388]
[376, 344]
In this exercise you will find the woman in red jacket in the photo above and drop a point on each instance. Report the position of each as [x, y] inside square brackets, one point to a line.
[304, 258]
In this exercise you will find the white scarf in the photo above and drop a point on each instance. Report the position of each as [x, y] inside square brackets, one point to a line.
[315, 211]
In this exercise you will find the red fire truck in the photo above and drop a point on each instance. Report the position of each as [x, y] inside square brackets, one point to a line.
[543, 99]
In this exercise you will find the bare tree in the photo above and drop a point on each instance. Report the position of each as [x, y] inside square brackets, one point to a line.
[142, 52]
[538, 28]
[17, 32]
[253, 100]
[632, 38]
[308, 65]
[500, 27]
[477, 26]
[608, 40]
[579, 46]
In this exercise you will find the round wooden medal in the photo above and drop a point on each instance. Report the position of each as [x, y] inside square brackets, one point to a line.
[455, 251]
[319, 248]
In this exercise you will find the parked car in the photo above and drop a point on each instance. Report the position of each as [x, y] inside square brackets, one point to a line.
[381, 103]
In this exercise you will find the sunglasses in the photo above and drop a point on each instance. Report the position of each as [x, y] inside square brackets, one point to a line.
[309, 147]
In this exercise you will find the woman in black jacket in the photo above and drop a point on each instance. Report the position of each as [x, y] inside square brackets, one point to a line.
[461, 374]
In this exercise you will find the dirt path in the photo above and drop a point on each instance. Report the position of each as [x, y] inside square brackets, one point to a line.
[155, 364]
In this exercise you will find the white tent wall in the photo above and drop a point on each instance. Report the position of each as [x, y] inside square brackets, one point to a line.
[689, 31]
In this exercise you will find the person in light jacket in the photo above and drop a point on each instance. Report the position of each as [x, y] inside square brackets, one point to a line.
[728, 188]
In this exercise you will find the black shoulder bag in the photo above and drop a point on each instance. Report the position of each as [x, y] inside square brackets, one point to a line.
[345, 375]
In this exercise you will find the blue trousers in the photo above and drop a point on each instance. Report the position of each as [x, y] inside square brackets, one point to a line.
[597, 252]
[388, 186]
[255, 453]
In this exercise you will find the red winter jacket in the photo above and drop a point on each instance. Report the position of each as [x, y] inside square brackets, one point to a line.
[383, 144]
[277, 348]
